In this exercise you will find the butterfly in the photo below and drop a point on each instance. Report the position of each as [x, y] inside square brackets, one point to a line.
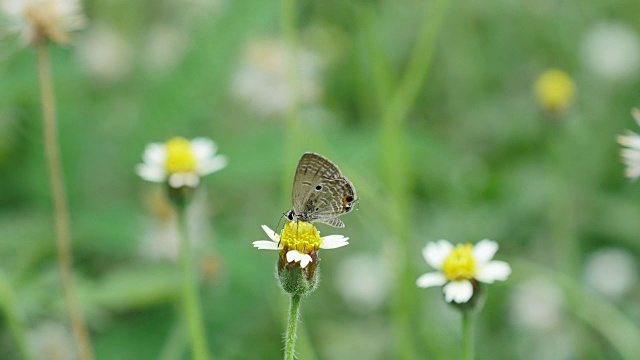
[320, 192]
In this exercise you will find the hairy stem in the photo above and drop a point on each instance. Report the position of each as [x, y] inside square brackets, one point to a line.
[290, 337]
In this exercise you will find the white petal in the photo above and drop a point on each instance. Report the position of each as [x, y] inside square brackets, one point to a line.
[431, 279]
[484, 251]
[305, 260]
[150, 172]
[271, 234]
[334, 242]
[203, 148]
[492, 271]
[208, 166]
[155, 154]
[631, 140]
[294, 255]
[266, 245]
[179, 180]
[458, 291]
[435, 253]
[635, 112]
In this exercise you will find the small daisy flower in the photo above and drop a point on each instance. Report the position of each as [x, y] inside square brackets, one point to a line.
[554, 90]
[461, 267]
[631, 153]
[180, 162]
[298, 262]
[36, 20]
[299, 241]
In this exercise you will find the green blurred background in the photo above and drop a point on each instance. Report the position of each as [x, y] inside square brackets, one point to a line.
[427, 106]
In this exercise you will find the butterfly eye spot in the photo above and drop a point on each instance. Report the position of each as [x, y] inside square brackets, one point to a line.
[319, 187]
[349, 198]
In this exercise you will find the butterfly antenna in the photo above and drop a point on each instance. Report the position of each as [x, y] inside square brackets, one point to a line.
[275, 232]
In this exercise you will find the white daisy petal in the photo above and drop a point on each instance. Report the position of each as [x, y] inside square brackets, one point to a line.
[435, 253]
[431, 279]
[294, 255]
[179, 180]
[155, 154]
[203, 148]
[150, 172]
[208, 166]
[334, 242]
[631, 140]
[266, 245]
[492, 271]
[305, 260]
[458, 291]
[484, 251]
[271, 234]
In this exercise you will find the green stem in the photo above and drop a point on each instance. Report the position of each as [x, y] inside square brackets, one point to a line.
[467, 334]
[13, 320]
[190, 299]
[60, 203]
[290, 337]
[396, 168]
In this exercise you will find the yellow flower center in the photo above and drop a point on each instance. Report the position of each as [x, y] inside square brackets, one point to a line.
[460, 264]
[554, 90]
[301, 236]
[180, 158]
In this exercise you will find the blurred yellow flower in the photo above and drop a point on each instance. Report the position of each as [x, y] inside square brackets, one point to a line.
[554, 90]
[38, 20]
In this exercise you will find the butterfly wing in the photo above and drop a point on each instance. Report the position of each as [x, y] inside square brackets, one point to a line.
[320, 191]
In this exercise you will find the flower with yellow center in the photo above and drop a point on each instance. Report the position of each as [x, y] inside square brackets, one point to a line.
[37, 20]
[554, 90]
[299, 240]
[180, 162]
[460, 266]
[631, 154]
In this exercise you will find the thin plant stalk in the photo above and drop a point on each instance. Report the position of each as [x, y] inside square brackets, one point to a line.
[395, 166]
[14, 322]
[190, 298]
[467, 335]
[292, 326]
[60, 203]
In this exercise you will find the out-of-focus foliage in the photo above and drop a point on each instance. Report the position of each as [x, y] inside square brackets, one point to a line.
[485, 162]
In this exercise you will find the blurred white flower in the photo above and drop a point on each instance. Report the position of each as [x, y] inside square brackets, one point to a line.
[631, 154]
[364, 281]
[52, 341]
[612, 50]
[264, 81]
[611, 272]
[460, 266]
[180, 162]
[104, 54]
[536, 304]
[166, 47]
[37, 20]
